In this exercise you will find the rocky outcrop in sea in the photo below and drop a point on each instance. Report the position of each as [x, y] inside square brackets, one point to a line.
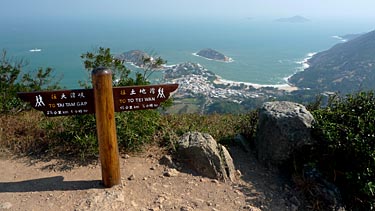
[209, 53]
[136, 57]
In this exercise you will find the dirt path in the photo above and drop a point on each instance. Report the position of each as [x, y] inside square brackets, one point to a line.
[29, 185]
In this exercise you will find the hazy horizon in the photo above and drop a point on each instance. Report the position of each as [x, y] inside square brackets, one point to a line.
[193, 9]
[265, 52]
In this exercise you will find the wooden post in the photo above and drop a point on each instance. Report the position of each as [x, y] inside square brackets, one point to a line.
[106, 126]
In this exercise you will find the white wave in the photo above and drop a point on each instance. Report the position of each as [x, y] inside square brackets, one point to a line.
[340, 38]
[304, 65]
[35, 50]
[230, 60]
[305, 61]
[286, 86]
[169, 65]
[309, 55]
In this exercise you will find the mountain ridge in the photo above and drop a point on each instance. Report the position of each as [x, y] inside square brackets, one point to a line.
[346, 67]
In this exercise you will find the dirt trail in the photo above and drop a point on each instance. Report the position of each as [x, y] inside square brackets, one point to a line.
[37, 185]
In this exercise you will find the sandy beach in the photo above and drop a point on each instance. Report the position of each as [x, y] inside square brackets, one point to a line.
[285, 87]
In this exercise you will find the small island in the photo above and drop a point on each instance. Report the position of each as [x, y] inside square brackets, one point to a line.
[135, 57]
[294, 19]
[211, 54]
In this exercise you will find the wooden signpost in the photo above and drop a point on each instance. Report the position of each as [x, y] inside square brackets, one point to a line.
[103, 100]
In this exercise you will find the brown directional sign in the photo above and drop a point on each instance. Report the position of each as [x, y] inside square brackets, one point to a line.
[61, 102]
[103, 100]
[131, 98]
[81, 101]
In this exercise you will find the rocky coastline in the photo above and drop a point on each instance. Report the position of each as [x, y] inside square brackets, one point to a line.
[196, 82]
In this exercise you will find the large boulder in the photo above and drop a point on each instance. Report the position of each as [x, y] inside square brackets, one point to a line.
[283, 129]
[204, 155]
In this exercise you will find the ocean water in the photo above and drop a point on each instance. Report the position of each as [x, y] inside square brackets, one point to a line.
[264, 51]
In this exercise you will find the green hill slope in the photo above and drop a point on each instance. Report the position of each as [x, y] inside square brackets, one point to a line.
[345, 68]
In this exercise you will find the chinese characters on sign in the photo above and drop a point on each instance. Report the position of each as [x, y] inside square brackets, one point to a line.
[81, 101]
[60, 103]
[141, 97]
[101, 102]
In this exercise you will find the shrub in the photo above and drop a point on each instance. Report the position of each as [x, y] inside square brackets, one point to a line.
[134, 128]
[222, 127]
[346, 132]
[78, 136]
[13, 79]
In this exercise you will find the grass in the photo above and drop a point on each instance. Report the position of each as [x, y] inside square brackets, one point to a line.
[187, 105]
[30, 133]
[222, 128]
[20, 133]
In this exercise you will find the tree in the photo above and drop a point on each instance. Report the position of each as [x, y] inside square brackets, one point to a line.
[133, 128]
[103, 58]
[13, 80]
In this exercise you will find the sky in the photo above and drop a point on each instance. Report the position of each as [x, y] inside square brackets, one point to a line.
[185, 9]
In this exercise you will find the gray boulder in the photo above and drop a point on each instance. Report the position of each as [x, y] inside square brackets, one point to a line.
[283, 129]
[202, 153]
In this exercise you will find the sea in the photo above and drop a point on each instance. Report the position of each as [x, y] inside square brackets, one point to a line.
[263, 51]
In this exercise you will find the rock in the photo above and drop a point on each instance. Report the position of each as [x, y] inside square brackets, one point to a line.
[125, 156]
[251, 208]
[294, 200]
[134, 204]
[215, 181]
[238, 173]
[160, 199]
[230, 170]
[322, 189]
[241, 140]
[167, 161]
[294, 207]
[5, 205]
[106, 200]
[283, 129]
[202, 153]
[131, 177]
[171, 173]
[184, 208]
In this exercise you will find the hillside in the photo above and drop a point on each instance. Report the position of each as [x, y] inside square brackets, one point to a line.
[351, 36]
[345, 68]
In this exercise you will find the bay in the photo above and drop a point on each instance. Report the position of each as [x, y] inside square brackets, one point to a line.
[264, 51]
